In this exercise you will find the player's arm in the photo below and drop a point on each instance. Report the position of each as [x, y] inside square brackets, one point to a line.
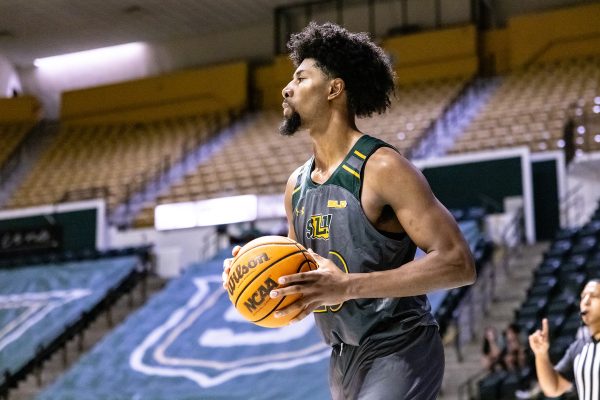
[395, 182]
[289, 190]
[552, 383]
[448, 262]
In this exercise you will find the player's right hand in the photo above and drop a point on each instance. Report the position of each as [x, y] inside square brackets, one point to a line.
[227, 265]
[539, 341]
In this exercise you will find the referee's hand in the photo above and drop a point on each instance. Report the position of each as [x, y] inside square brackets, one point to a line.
[539, 341]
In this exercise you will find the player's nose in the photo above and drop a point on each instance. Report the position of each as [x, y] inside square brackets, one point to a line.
[286, 92]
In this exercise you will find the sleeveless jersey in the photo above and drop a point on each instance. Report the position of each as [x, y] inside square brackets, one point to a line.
[329, 219]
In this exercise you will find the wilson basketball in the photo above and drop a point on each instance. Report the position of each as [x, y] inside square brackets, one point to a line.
[254, 273]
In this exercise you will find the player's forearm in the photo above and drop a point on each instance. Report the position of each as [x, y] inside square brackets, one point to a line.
[433, 272]
[547, 377]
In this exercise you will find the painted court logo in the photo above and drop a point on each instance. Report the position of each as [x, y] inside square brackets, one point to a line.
[317, 227]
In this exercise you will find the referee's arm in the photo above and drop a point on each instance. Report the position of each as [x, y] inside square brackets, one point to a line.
[551, 382]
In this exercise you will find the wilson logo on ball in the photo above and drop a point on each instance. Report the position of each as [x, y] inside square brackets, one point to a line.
[239, 271]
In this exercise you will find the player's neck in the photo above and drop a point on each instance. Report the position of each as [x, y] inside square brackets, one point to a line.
[332, 140]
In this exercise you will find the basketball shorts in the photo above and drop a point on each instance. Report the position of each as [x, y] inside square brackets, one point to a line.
[410, 367]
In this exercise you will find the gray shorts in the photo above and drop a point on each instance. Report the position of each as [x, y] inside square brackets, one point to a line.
[409, 368]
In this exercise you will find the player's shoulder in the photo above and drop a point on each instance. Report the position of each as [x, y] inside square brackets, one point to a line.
[293, 178]
[294, 175]
[387, 160]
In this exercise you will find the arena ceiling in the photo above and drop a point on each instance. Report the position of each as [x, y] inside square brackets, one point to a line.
[39, 28]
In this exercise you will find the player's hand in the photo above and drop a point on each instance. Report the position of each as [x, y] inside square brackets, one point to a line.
[326, 286]
[539, 341]
[227, 265]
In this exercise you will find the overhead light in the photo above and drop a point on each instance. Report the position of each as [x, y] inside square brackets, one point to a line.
[88, 57]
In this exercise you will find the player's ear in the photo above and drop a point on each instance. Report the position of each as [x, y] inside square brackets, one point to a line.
[336, 87]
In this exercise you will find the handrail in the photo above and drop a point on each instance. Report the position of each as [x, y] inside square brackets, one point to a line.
[466, 387]
[553, 42]
[571, 201]
[75, 118]
[512, 230]
[13, 160]
[433, 125]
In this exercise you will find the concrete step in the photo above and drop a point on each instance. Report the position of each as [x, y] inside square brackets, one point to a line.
[510, 291]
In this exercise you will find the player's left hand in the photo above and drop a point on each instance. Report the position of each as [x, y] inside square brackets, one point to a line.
[325, 286]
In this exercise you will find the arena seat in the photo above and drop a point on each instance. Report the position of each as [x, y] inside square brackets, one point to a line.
[572, 259]
[110, 161]
[44, 306]
[259, 161]
[530, 108]
[189, 342]
[11, 134]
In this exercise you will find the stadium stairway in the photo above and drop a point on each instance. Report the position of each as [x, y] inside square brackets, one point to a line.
[124, 213]
[455, 118]
[510, 290]
[33, 145]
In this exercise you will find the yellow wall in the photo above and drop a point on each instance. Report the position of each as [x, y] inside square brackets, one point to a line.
[434, 55]
[495, 44]
[271, 79]
[197, 91]
[25, 108]
[546, 36]
[420, 57]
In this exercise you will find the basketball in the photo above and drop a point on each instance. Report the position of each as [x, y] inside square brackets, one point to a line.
[254, 273]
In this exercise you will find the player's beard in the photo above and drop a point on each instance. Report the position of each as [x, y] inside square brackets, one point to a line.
[290, 125]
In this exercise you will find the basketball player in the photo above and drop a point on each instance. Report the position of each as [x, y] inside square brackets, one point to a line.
[581, 362]
[363, 209]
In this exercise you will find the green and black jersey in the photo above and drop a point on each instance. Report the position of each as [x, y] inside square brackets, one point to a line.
[329, 219]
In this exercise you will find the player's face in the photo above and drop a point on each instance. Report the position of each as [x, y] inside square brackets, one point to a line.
[303, 97]
[590, 305]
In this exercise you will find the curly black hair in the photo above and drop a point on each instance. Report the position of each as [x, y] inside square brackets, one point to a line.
[363, 66]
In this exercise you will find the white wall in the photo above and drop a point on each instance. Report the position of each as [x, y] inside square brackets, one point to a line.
[151, 59]
[174, 250]
[9, 79]
[48, 82]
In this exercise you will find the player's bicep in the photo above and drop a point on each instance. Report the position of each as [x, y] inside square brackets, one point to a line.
[426, 220]
[422, 216]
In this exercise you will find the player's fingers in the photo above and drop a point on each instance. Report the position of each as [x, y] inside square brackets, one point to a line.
[295, 278]
[293, 309]
[224, 277]
[235, 250]
[314, 255]
[286, 291]
[304, 313]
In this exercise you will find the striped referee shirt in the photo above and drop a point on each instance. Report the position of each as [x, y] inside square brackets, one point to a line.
[581, 365]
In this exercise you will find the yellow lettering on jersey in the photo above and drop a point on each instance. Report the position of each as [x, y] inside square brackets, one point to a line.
[317, 227]
[337, 203]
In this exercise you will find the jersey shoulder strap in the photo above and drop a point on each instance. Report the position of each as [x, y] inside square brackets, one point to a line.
[302, 180]
[350, 173]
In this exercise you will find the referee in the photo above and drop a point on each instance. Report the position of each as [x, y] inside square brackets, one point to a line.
[581, 362]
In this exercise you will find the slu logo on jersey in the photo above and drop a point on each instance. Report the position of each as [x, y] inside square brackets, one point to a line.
[336, 203]
[317, 227]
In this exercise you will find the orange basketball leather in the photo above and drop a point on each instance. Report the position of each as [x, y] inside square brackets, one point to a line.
[254, 273]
